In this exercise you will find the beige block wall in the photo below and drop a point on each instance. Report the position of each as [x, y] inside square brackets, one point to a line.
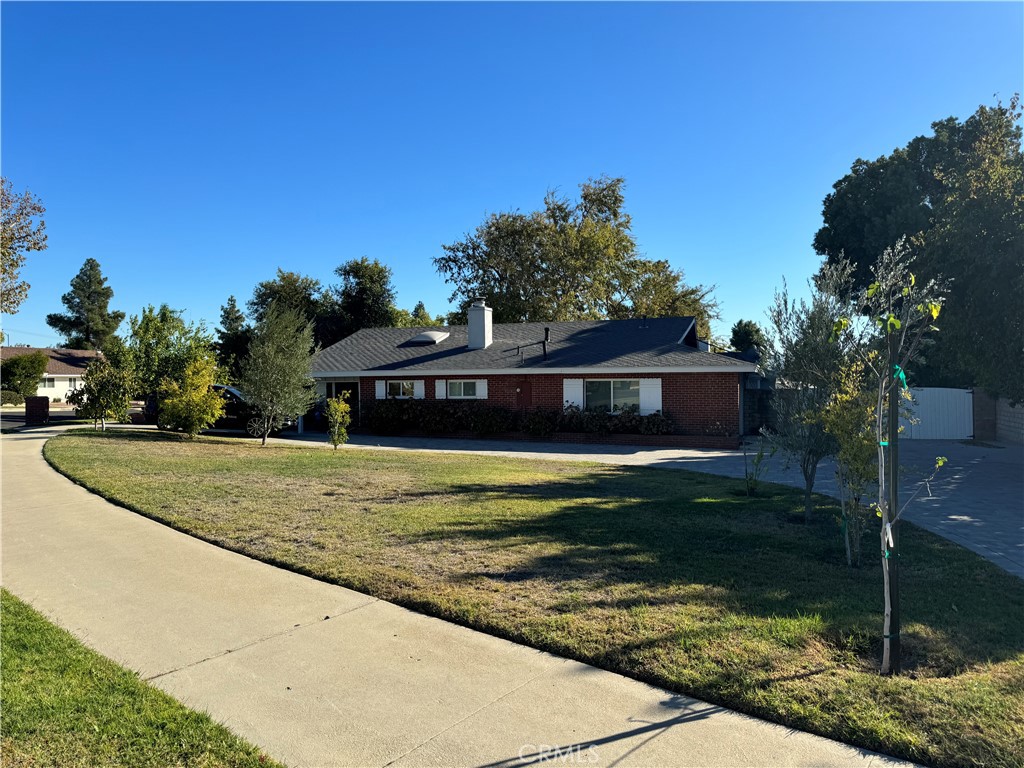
[1009, 422]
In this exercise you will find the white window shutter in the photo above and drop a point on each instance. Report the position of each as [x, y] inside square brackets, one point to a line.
[418, 389]
[481, 389]
[572, 392]
[650, 396]
[441, 389]
[380, 387]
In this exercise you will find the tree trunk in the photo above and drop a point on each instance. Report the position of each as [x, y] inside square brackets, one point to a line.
[887, 621]
[809, 473]
[894, 509]
[890, 549]
[845, 513]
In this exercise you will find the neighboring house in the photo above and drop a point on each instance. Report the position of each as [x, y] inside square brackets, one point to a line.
[654, 364]
[63, 372]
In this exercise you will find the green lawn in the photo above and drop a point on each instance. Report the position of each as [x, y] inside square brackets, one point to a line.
[672, 577]
[66, 705]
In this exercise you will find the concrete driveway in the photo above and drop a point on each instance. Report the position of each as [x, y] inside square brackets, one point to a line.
[977, 499]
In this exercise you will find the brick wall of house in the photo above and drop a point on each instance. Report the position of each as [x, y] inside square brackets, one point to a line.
[698, 403]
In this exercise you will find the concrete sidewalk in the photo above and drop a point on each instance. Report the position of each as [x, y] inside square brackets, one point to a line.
[318, 675]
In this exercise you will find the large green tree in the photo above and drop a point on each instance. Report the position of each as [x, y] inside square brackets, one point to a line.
[958, 196]
[22, 229]
[571, 260]
[747, 334]
[305, 295]
[417, 318]
[22, 373]
[366, 296]
[288, 289]
[654, 289]
[276, 373]
[88, 323]
[159, 347]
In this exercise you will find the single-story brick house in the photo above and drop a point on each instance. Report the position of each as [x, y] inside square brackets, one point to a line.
[657, 365]
[64, 370]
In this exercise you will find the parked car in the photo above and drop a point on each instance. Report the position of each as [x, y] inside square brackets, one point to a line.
[238, 414]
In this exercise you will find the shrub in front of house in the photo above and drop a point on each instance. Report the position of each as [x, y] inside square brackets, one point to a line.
[9, 397]
[441, 417]
[541, 422]
[656, 423]
[490, 420]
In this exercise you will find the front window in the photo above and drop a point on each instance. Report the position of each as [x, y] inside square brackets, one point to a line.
[461, 389]
[49, 383]
[611, 395]
[401, 389]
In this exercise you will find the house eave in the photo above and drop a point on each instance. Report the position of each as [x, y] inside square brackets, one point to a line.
[591, 371]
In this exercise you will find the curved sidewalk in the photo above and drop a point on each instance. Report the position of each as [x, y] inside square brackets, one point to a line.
[318, 675]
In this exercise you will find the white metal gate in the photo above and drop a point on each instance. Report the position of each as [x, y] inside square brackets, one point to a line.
[941, 414]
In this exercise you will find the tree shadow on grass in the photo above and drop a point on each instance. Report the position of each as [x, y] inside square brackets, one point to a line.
[596, 535]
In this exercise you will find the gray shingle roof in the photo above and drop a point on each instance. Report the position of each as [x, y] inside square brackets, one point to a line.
[585, 345]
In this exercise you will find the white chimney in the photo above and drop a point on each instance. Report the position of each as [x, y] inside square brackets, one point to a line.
[479, 325]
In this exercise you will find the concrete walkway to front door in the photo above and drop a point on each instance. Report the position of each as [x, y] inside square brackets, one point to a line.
[318, 675]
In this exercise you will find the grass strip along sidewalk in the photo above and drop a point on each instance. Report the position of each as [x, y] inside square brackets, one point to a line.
[675, 578]
[66, 705]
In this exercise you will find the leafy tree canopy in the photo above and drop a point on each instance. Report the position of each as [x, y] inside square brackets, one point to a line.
[190, 403]
[160, 347]
[572, 260]
[289, 289]
[958, 195]
[22, 373]
[418, 318]
[747, 334]
[306, 296]
[275, 375]
[88, 323]
[22, 229]
[105, 392]
[366, 297]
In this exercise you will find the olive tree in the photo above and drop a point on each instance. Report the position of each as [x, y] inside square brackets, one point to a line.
[275, 374]
[804, 356]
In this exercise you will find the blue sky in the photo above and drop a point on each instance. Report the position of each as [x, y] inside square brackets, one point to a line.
[193, 148]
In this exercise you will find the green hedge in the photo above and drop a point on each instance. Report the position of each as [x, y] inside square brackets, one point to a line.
[7, 397]
[436, 417]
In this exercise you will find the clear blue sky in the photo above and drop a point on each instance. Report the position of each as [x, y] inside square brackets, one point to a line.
[193, 148]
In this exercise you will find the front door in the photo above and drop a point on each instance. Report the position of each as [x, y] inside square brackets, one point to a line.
[524, 395]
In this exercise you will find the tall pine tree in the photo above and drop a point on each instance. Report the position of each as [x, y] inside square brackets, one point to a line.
[88, 323]
[232, 338]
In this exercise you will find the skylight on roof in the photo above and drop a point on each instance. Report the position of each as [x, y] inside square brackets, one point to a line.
[429, 337]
